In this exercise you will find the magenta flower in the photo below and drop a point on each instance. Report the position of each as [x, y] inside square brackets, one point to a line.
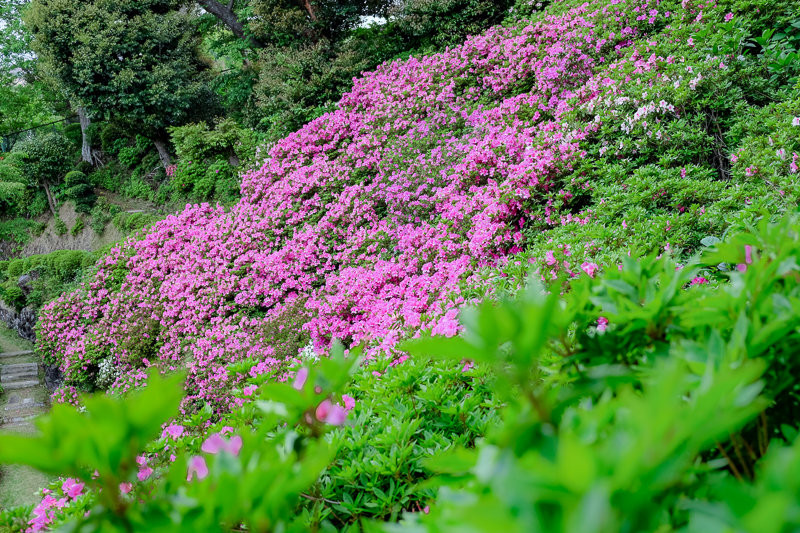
[330, 413]
[215, 444]
[198, 467]
[748, 254]
[144, 473]
[300, 378]
[602, 324]
[72, 488]
[590, 268]
[349, 402]
[173, 430]
[125, 487]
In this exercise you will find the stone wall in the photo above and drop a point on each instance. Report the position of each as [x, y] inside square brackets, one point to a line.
[23, 323]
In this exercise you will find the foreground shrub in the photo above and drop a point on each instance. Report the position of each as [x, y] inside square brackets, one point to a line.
[651, 397]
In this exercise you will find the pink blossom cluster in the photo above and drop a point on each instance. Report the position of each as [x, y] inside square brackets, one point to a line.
[45, 511]
[372, 219]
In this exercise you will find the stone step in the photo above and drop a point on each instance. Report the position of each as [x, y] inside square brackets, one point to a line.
[18, 376]
[20, 384]
[19, 419]
[14, 378]
[22, 404]
[16, 354]
[19, 368]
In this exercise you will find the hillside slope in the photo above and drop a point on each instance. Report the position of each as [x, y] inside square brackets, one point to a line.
[564, 140]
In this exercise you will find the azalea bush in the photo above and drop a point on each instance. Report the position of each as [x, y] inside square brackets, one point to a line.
[386, 215]
[653, 396]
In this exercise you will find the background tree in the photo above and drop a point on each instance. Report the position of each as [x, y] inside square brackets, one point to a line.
[288, 61]
[133, 61]
[25, 100]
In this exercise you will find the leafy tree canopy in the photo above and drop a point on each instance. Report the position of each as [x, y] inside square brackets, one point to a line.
[135, 61]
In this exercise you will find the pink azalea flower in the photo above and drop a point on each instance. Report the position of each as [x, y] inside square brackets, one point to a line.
[198, 467]
[349, 402]
[144, 473]
[72, 488]
[602, 324]
[590, 268]
[125, 487]
[300, 378]
[249, 390]
[330, 413]
[173, 430]
[215, 444]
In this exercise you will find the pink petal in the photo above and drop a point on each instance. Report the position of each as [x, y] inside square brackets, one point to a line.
[213, 444]
[144, 473]
[234, 445]
[337, 416]
[349, 402]
[198, 466]
[300, 378]
[323, 410]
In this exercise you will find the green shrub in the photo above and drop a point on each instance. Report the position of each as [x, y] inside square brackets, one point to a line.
[47, 157]
[60, 227]
[112, 137]
[135, 187]
[210, 158]
[77, 228]
[79, 190]
[14, 268]
[12, 295]
[73, 133]
[110, 177]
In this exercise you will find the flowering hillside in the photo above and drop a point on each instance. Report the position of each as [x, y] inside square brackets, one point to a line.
[562, 141]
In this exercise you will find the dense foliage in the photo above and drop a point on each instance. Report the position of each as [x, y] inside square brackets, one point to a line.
[596, 417]
[384, 216]
[559, 246]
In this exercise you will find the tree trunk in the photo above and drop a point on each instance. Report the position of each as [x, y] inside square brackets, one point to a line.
[51, 202]
[308, 8]
[229, 18]
[86, 142]
[163, 152]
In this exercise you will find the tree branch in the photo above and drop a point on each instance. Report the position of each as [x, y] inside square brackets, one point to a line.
[229, 18]
[308, 8]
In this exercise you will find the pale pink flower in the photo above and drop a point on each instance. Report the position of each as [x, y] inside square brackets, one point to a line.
[144, 473]
[198, 467]
[300, 378]
[72, 488]
[349, 402]
[173, 430]
[590, 268]
[330, 413]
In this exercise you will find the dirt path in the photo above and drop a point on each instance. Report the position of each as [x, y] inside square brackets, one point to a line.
[24, 397]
